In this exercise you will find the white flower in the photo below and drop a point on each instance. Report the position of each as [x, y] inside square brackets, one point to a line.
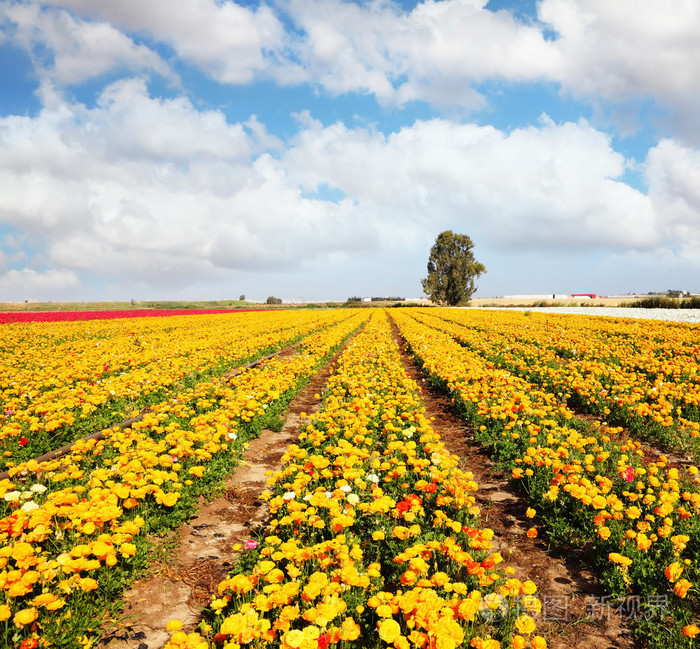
[329, 494]
[290, 495]
[12, 496]
[38, 488]
[353, 499]
[373, 477]
[29, 506]
[232, 436]
[346, 488]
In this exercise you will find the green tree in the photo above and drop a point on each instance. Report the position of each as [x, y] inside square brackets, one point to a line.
[452, 270]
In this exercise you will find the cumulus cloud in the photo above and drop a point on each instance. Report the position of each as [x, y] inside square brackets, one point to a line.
[536, 187]
[611, 54]
[433, 53]
[229, 42]
[69, 50]
[640, 49]
[30, 284]
[138, 187]
[673, 174]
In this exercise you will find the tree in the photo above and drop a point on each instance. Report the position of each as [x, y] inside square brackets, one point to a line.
[242, 298]
[274, 300]
[452, 270]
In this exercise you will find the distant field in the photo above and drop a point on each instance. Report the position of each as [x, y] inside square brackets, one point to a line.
[121, 306]
[501, 301]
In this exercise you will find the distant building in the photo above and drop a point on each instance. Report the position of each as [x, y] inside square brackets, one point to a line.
[537, 296]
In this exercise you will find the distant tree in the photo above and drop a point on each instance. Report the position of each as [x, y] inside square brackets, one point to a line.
[452, 270]
[273, 300]
[242, 298]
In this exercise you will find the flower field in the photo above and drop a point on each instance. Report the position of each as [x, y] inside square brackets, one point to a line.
[516, 377]
[64, 381]
[73, 530]
[374, 536]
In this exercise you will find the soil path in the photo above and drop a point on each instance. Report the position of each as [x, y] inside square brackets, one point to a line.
[572, 610]
[202, 554]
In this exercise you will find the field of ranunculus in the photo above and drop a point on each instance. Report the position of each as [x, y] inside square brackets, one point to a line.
[374, 537]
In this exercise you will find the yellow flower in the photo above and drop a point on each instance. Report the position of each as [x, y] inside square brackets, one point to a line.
[389, 630]
[518, 642]
[173, 625]
[673, 572]
[25, 616]
[525, 624]
[349, 630]
[294, 638]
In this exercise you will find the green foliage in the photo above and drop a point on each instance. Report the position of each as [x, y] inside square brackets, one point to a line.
[273, 300]
[661, 302]
[452, 270]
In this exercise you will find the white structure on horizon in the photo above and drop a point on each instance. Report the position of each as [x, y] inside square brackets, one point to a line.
[538, 296]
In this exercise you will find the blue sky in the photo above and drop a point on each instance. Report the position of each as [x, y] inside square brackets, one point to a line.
[314, 149]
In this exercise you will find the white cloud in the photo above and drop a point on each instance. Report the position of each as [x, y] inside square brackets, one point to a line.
[434, 53]
[229, 42]
[138, 190]
[79, 50]
[29, 284]
[673, 174]
[640, 49]
[535, 187]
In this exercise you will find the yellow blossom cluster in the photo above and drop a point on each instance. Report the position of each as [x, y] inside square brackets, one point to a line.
[374, 535]
[638, 511]
[643, 374]
[56, 378]
[75, 524]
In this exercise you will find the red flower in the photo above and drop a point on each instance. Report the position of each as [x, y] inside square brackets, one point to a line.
[23, 441]
[627, 474]
[324, 640]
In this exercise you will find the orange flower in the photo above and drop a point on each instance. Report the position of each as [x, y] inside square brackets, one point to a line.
[681, 587]
[349, 630]
[532, 533]
[691, 630]
[87, 584]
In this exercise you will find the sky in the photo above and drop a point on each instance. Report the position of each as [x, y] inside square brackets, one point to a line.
[314, 149]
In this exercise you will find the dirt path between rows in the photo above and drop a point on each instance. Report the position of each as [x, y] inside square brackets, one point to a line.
[573, 614]
[202, 554]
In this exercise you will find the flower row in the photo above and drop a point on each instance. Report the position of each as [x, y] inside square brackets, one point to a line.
[374, 537]
[591, 486]
[62, 381]
[75, 527]
[645, 377]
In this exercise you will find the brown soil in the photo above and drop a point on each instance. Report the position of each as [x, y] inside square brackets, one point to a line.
[181, 586]
[571, 614]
